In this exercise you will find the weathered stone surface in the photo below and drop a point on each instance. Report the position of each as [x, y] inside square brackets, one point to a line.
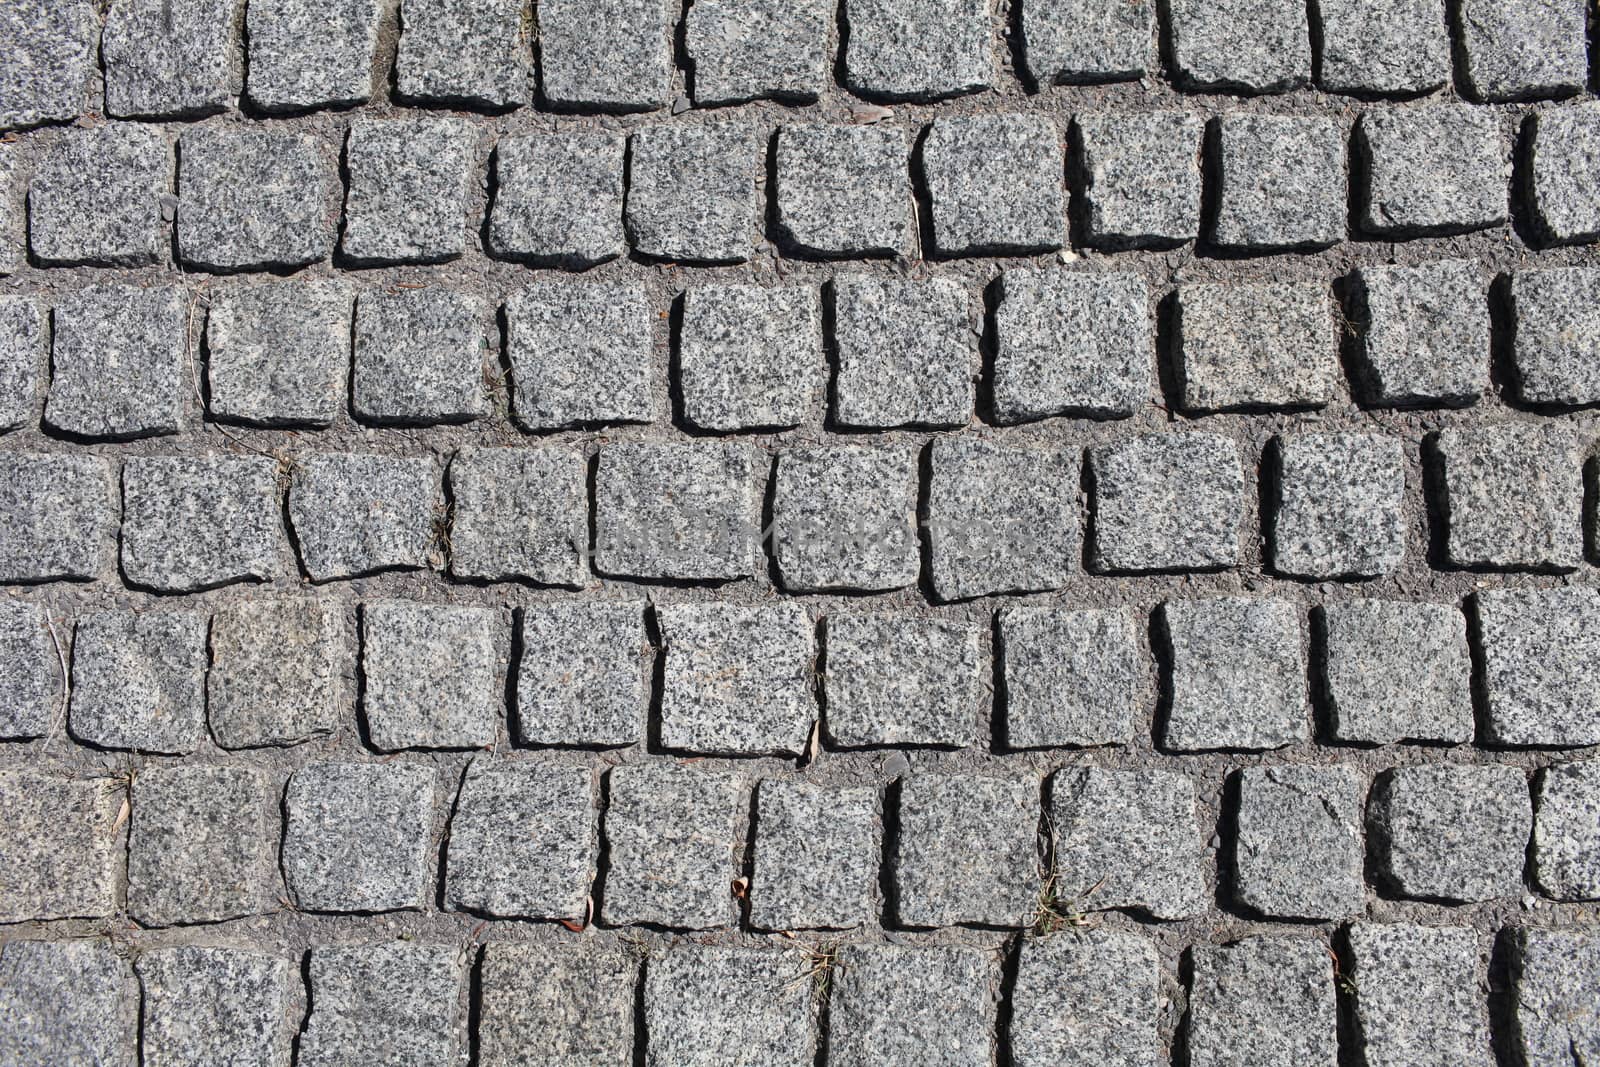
[1238, 674]
[254, 198]
[919, 50]
[48, 57]
[407, 196]
[197, 522]
[434, 674]
[1553, 1015]
[751, 357]
[311, 53]
[13, 211]
[1246, 46]
[1556, 352]
[605, 55]
[1416, 995]
[1566, 833]
[218, 1006]
[685, 511]
[692, 191]
[709, 1005]
[519, 513]
[1340, 505]
[1072, 344]
[1397, 671]
[1424, 334]
[1069, 41]
[845, 518]
[380, 1004]
[419, 357]
[276, 668]
[580, 354]
[95, 198]
[737, 679]
[558, 198]
[669, 833]
[580, 680]
[358, 837]
[61, 847]
[67, 1002]
[1140, 176]
[815, 856]
[1298, 851]
[202, 845]
[1282, 183]
[1512, 496]
[906, 353]
[569, 1004]
[892, 1004]
[1261, 1002]
[966, 852]
[358, 514]
[31, 678]
[119, 362]
[58, 516]
[1166, 502]
[172, 58]
[1522, 49]
[1541, 665]
[1256, 346]
[279, 353]
[522, 841]
[845, 190]
[1086, 994]
[24, 355]
[138, 680]
[995, 184]
[746, 49]
[477, 53]
[1431, 170]
[1566, 148]
[1072, 677]
[1126, 839]
[901, 680]
[1001, 518]
[1450, 832]
[1388, 47]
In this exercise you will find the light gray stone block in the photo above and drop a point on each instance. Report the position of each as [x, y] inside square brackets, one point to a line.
[845, 190]
[580, 679]
[120, 362]
[845, 518]
[519, 513]
[1139, 173]
[1556, 352]
[95, 198]
[1238, 674]
[474, 54]
[1256, 346]
[359, 837]
[1416, 991]
[24, 358]
[58, 516]
[692, 191]
[815, 856]
[419, 357]
[408, 189]
[1282, 183]
[905, 353]
[359, 514]
[1126, 839]
[1450, 832]
[203, 845]
[683, 511]
[1090, 994]
[434, 674]
[138, 680]
[191, 523]
[1512, 496]
[918, 50]
[62, 846]
[254, 198]
[901, 680]
[751, 357]
[1553, 1015]
[1166, 502]
[605, 55]
[1070, 41]
[580, 354]
[1523, 49]
[522, 841]
[1340, 506]
[223, 1006]
[966, 852]
[1566, 147]
[707, 1005]
[379, 1004]
[743, 50]
[895, 1004]
[1541, 665]
[172, 58]
[279, 353]
[558, 198]
[1431, 170]
[47, 60]
[1397, 671]
[308, 54]
[1566, 831]
[276, 672]
[32, 680]
[1072, 677]
[1298, 850]
[1261, 1002]
[1075, 344]
[995, 183]
[1424, 334]
[569, 1004]
[1387, 47]
[669, 834]
[67, 1002]
[738, 680]
[1242, 46]
[13, 210]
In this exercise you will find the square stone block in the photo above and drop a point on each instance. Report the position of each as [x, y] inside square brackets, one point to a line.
[434, 674]
[966, 852]
[901, 680]
[359, 837]
[1238, 674]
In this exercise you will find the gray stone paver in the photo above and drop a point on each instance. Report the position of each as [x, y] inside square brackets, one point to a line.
[1438, 169]
[434, 674]
[24, 352]
[190, 524]
[580, 680]
[558, 198]
[894, 1004]
[1263, 1001]
[710, 1005]
[816, 856]
[45, 70]
[1566, 146]
[95, 198]
[358, 514]
[376, 1004]
[905, 353]
[1238, 674]
[1522, 49]
[580, 354]
[966, 852]
[58, 516]
[120, 362]
[844, 518]
[1256, 346]
[567, 1004]
[1072, 677]
[1539, 665]
[1166, 502]
[1340, 505]
[419, 357]
[138, 680]
[1553, 1016]
[845, 190]
[1566, 831]
[1244, 46]
[60, 844]
[1416, 995]
[918, 50]
[276, 671]
[217, 1005]
[1298, 849]
[279, 353]
[357, 836]
[1457, 833]
[254, 199]
[1070, 41]
[748, 49]
[67, 1002]
[995, 184]
[1090, 994]
[1398, 47]
[1512, 496]
[1397, 671]
[1556, 351]
[1282, 183]
[172, 58]
[473, 53]
[605, 55]
[751, 358]
[669, 835]
[308, 54]
[901, 680]
[1424, 334]
[31, 682]
[692, 191]
[406, 200]
[518, 513]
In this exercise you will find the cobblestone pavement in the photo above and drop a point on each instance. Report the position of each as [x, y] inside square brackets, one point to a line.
[949, 532]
